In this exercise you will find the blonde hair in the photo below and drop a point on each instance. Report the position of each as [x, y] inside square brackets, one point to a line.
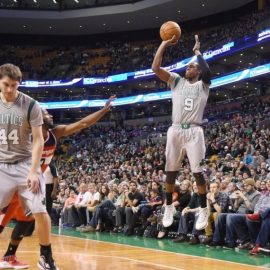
[189, 185]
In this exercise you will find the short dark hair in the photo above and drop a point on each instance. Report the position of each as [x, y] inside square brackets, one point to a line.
[133, 182]
[11, 71]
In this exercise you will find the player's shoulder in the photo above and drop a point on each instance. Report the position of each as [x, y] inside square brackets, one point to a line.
[27, 100]
[25, 97]
[174, 79]
[204, 85]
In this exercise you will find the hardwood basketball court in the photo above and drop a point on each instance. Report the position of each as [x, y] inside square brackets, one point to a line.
[77, 251]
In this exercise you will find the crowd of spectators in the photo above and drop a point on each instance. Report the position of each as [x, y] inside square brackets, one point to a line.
[100, 58]
[112, 179]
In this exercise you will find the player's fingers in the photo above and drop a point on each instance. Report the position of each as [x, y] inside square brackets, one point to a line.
[196, 38]
[34, 186]
[169, 41]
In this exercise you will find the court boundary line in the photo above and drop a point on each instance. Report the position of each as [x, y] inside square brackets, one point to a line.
[165, 251]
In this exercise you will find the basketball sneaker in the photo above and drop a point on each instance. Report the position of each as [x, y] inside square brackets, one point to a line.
[5, 265]
[11, 262]
[202, 220]
[264, 251]
[255, 250]
[47, 263]
[168, 215]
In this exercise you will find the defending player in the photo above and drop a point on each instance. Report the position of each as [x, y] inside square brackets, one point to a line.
[51, 134]
[189, 97]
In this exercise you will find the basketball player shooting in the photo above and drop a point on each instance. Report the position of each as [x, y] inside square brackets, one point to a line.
[189, 97]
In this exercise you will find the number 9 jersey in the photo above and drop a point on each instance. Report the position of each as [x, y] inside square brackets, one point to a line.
[189, 100]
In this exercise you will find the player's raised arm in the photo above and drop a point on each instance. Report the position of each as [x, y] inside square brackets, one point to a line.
[162, 73]
[66, 130]
[206, 74]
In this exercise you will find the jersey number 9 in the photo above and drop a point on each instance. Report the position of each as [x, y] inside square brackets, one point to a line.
[188, 104]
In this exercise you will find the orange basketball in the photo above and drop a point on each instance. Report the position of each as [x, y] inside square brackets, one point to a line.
[170, 29]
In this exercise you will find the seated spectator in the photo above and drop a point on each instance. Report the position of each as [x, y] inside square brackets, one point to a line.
[188, 218]
[145, 210]
[247, 229]
[244, 203]
[231, 188]
[183, 198]
[68, 217]
[80, 205]
[161, 176]
[96, 220]
[132, 199]
[225, 181]
[263, 236]
[154, 185]
[93, 201]
[57, 207]
[218, 202]
[263, 188]
[120, 203]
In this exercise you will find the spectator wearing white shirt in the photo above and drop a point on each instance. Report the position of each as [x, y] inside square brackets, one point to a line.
[81, 205]
[93, 201]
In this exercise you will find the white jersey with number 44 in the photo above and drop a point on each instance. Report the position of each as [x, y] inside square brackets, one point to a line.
[189, 100]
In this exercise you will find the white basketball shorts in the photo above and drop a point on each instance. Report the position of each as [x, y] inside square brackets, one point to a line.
[13, 178]
[181, 141]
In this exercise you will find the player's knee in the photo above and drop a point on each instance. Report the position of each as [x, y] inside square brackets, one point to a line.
[200, 181]
[20, 230]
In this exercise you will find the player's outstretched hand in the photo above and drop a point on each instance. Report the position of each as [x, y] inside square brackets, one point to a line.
[33, 182]
[197, 45]
[170, 42]
[108, 103]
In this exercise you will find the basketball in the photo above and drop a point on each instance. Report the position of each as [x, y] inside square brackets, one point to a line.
[170, 29]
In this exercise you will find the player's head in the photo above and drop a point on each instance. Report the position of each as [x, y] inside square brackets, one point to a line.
[193, 71]
[10, 78]
[47, 119]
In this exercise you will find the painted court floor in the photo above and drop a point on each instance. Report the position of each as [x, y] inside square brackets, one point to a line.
[101, 251]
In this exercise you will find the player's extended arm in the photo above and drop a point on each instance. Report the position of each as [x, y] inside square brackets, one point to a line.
[66, 130]
[206, 74]
[162, 73]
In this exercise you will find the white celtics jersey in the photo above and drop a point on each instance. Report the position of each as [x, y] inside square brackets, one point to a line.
[189, 100]
[16, 121]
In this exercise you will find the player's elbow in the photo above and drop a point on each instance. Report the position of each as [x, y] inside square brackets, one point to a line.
[155, 68]
[85, 124]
